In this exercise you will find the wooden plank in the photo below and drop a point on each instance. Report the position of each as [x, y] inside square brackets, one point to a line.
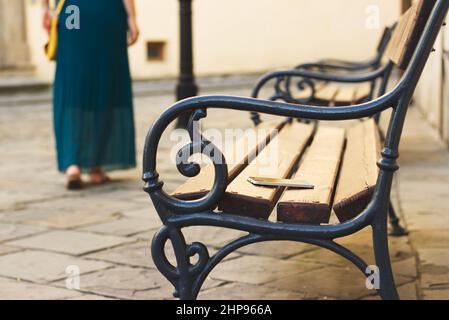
[327, 92]
[394, 48]
[345, 95]
[359, 171]
[245, 149]
[305, 94]
[242, 197]
[337, 95]
[320, 167]
[405, 5]
[362, 92]
[408, 32]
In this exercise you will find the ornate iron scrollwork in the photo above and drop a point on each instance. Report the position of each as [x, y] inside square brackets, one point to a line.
[185, 273]
[198, 145]
[283, 90]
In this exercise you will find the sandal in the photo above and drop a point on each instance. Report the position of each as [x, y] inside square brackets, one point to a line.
[74, 182]
[103, 180]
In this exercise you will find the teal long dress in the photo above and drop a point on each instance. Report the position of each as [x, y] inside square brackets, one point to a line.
[93, 108]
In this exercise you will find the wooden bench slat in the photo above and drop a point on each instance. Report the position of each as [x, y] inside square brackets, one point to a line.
[359, 171]
[305, 94]
[248, 146]
[346, 94]
[242, 197]
[327, 92]
[320, 167]
[408, 32]
[335, 94]
[362, 92]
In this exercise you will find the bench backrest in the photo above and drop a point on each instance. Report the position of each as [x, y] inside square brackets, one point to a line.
[385, 40]
[408, 32]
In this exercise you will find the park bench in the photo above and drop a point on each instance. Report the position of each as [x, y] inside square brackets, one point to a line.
[369, 80]
[344, 65]
[351, 169]
[331, 94]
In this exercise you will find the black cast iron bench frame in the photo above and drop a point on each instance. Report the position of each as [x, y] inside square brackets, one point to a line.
[176, 214]
[356, 72]
[337, 64]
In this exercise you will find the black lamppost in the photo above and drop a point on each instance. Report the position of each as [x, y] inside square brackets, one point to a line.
[186, 87]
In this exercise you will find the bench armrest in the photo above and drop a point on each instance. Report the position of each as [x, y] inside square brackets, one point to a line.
[307, 78]
[335, 65]
[198, 107]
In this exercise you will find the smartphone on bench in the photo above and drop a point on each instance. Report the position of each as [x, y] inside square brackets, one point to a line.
[276, 182]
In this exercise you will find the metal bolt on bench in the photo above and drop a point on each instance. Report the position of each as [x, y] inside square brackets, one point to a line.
[347, 181]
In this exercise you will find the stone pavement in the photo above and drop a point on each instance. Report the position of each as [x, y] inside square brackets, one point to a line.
[47, 233]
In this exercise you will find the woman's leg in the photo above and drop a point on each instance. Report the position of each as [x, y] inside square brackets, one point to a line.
[97, 176]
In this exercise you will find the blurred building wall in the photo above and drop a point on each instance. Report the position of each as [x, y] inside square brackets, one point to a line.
[244, 36]
[14, 51]
[432, 93]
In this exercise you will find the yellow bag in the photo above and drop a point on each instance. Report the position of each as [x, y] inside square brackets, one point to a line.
[51, 47]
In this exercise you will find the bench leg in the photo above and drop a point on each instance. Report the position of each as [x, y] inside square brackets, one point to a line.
[397, 230]
[184, 274]
[387, 286]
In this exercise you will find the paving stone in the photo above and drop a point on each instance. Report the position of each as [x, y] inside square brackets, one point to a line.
[340, 283]
[237, 291]
[88, 297]
[147, 235]
[329, 258]
[38, 266]
[434, 268]
[147, 212]
[210, 236]
[403, 261]
[15, 195]
[425, 210]
[121, 227]
[20, 290]
[259, 270]
[14, 231]
[139, 255]
[431, 239]
[407, 291]
[399, 246]
[424, 219]
[130, 283]
[436, 294]
[88, 204]
[277, 249]
[58, 218]
[124, 186]
[71, 242]
[406, 268]
[7, 249]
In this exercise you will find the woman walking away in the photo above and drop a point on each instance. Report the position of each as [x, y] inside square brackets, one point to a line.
[92, 99]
